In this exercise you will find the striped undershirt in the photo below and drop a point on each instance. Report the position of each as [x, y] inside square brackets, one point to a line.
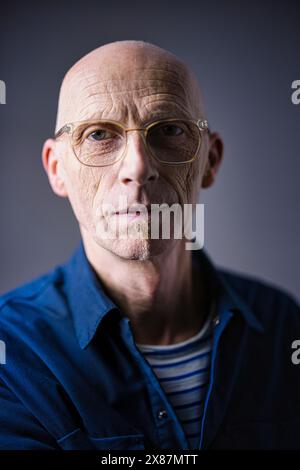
[183, 372]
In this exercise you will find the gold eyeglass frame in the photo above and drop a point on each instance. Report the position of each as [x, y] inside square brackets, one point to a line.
[201, 124]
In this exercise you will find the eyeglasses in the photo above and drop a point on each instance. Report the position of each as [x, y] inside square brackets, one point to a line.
[103, 142]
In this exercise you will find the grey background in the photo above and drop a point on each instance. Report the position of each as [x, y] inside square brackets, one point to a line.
[245, 56]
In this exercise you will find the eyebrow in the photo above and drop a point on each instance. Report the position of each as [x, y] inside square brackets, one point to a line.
[151, 117]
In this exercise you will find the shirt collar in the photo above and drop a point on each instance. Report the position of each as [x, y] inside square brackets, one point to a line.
[228, 299]
[90, 304]
[88, 301]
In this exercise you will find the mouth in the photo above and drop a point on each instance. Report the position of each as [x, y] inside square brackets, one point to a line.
[135, 211]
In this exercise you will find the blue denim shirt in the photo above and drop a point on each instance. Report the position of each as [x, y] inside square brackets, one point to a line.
[74, 378]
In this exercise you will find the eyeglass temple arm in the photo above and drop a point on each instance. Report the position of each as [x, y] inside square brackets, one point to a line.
[202, 124]
[62, 130]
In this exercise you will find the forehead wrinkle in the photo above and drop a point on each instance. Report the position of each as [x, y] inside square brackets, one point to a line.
[94, 115]
[111, 110]
[98, 99]
[104, 100]
[93, 85]
[168, 109]
[91, 79]
[121, 111]
[158, 85]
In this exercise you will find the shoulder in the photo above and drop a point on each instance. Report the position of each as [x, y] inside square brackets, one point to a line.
[36, 329]
[38, 299]
[35, 332]
[267, 301]
[30, 289]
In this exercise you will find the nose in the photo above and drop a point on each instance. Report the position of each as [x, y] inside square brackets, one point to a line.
[137, 166]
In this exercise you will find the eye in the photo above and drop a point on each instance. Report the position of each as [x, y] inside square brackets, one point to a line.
[100, 134]
[172, 130]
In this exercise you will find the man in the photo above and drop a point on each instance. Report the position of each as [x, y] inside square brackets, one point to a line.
[138, 342]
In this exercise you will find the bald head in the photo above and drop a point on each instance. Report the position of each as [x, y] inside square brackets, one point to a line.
[123, 80]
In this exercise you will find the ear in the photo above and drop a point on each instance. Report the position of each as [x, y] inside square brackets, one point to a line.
[215, 155]
[52, 166]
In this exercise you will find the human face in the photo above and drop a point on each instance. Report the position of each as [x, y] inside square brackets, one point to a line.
[134, 90]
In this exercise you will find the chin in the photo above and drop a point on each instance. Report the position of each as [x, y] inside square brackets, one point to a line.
[134, 243]
[139, 250]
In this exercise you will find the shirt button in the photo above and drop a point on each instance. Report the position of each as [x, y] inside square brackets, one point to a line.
[162, 414]
[216, 321]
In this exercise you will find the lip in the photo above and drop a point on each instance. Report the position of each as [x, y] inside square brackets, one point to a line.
[133, 210]
[130, 217]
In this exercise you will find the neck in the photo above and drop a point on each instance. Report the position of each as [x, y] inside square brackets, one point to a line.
[162, 296]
